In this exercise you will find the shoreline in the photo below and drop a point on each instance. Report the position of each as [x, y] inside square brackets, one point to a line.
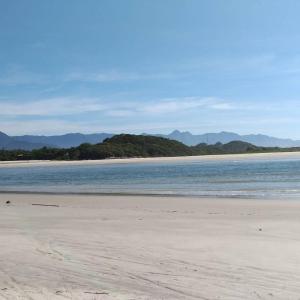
[204, 158]
[153, 195]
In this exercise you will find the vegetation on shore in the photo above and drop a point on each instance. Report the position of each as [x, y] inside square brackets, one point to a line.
[127, 145]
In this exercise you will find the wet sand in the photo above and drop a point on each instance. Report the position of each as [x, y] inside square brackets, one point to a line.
[137, 247]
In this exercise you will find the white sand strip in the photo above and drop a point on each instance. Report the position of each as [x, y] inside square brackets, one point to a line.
[223, 157]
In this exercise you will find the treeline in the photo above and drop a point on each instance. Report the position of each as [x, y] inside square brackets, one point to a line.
[126, 145]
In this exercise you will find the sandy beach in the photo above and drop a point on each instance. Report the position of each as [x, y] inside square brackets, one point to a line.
[137, 247]
[222, 157]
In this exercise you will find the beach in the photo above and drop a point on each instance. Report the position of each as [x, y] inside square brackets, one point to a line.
[184, 159]
[148, 247]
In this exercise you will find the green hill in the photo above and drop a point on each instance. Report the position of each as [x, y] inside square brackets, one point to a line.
[231, 147]
[128, 145]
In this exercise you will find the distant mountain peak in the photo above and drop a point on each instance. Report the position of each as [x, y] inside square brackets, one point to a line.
[4, 139]
[178, 132]
[3, 134]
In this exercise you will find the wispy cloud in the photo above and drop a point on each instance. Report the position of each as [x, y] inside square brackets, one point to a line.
[260, 64]
[231, 64]
[50, 107]
[18, 76]
[71, 106]
[58, 126]
[107, 76]
[170, 105]
[115, 75]
[223, 106]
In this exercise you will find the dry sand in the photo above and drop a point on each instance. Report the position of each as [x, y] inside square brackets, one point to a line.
[137, 247]
[222, 157]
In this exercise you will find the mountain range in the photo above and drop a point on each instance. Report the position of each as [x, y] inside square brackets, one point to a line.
[29, 142]
[226, 137]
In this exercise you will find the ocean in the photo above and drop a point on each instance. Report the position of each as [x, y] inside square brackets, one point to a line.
[263, 178]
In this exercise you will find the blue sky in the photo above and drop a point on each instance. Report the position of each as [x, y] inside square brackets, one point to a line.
[150, 66]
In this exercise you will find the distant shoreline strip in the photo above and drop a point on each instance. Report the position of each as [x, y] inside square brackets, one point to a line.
[165, 159]
[135, 195]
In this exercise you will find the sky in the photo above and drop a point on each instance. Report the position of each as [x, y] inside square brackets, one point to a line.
[150, 66]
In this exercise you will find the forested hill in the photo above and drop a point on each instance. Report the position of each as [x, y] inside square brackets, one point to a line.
[127, 145]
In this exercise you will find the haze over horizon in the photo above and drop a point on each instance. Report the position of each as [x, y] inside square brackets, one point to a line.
[150, 66]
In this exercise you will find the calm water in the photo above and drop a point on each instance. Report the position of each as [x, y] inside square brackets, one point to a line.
[261, 178]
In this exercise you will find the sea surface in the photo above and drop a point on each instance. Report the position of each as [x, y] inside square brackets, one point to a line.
[266, 178]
